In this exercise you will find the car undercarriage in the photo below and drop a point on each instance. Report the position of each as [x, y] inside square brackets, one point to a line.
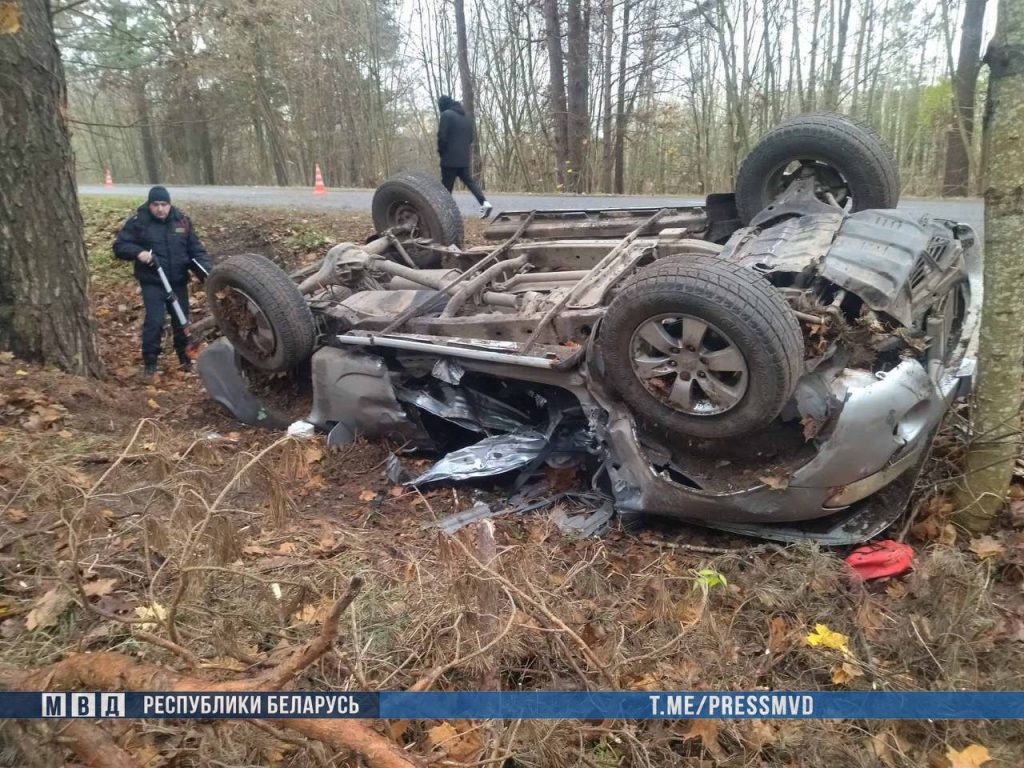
[773, 363]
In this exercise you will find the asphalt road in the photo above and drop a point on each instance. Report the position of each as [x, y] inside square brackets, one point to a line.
[967, 210]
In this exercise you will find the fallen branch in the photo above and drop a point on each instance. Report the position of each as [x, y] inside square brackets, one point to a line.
[322, 643]
[95, 747]
[115, 671]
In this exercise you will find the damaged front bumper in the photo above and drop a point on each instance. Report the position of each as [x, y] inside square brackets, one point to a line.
[855, 486]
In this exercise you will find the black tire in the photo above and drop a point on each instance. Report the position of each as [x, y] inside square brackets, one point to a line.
[736, 302]
[284, 310]
[843, 144]
[891, 165]
[436, 214]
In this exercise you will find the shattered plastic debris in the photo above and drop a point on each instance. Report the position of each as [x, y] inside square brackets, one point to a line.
[594, 523]
[448, 371]
[302, 430]
[491, 456]
[477, 512]
[396, 472]
[468, 408]
[881, 558]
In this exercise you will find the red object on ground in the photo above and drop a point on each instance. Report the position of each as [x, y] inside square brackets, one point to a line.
[318, 183]
[881, 558]
[108, 180]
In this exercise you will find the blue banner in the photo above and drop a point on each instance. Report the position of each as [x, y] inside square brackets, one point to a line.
[534, 705]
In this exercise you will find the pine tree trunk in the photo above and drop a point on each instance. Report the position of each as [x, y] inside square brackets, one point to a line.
[996, 418]
[466, 80]
[578, 95]
[620, 105]
[607, 146]
[44, 278]
[559, 108]
[965, 82]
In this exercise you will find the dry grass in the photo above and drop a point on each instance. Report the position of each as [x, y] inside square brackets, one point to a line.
[244, 541]
[214, 534]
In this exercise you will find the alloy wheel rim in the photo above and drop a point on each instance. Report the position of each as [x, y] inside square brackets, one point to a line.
[689, 364]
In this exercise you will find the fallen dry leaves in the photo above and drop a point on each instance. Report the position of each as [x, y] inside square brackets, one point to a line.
[846, 672]
[972, 756]
[458, 746]
[775, 482]
[986, 546]
[823, 637]
[99, 587]
[707, 732]
[48, 609]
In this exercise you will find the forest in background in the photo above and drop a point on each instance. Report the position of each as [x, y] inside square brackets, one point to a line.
[633, 96]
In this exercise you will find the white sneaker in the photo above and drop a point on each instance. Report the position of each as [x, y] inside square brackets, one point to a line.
[485, 209]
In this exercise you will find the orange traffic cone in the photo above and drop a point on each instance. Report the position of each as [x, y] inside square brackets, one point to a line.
[108, 180]
[318, 185]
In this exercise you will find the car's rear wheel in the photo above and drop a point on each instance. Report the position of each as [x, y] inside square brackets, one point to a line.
[418, 204]
[844, 157]
[702, 347]
[260, 310]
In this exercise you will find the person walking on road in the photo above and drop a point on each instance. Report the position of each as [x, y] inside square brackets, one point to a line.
[159, 233]
[454, 139]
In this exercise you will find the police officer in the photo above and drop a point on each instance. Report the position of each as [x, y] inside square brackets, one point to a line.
[160, 234]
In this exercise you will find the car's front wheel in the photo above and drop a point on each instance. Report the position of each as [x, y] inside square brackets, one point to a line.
[702, 347]
[260, 310]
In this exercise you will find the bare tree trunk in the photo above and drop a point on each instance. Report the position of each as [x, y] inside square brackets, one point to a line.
[965, 82]
[578, 94]
[795, 63]
[150, 154]
[466, 80]
[608, 145]
[832, 92]
[996, 419]
[620, 107]
[556, 92]
[44, 276]
[810, 101]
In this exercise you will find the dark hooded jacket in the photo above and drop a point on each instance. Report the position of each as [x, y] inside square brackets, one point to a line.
[454, 135]
[173, 242]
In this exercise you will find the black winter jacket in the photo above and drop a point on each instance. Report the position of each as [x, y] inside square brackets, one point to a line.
[173, 242]
[454, 137]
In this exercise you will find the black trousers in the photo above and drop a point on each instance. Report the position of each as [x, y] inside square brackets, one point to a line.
[450, 173]
[154, 299]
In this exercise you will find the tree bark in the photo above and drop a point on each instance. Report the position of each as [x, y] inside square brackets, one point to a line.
[556, 92]
[607, 146]
[958, 140]
[44, 276]
[832, 92]
[996, 419]
[466, 80]
[150, 154]
[620, 104]
[578, 94]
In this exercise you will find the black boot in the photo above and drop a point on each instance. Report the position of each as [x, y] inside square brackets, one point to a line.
[184, 361]
[149, 366]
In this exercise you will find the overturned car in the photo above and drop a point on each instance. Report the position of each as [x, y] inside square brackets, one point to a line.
[775, 362]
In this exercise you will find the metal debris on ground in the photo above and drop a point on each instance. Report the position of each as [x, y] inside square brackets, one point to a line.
[491, 456]
[594, 523]
[479, 511]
